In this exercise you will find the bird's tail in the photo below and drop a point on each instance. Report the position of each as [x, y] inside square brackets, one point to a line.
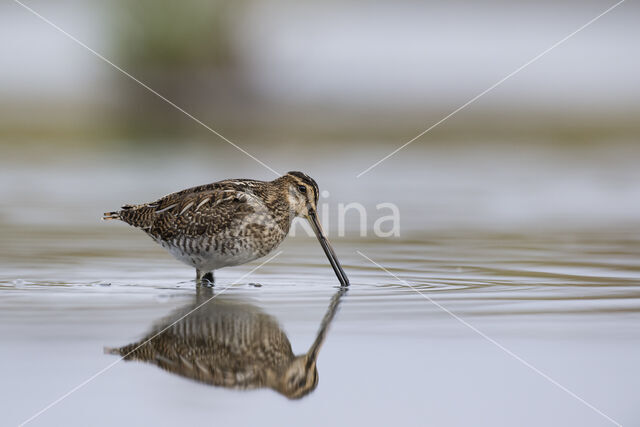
[111, 350]
[110, 215]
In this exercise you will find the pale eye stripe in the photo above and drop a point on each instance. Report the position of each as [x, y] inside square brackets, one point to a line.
[167, 208]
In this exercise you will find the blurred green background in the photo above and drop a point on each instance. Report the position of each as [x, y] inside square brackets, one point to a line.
[328, 88]
[292, 72]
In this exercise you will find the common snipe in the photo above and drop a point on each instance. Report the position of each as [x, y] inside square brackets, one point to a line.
[229, 222]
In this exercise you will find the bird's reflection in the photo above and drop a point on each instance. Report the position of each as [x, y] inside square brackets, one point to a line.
[231, 343]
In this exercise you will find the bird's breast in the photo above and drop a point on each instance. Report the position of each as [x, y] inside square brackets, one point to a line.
[233, 247]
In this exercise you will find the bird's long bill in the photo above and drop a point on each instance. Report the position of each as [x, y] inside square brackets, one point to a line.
[328, 250]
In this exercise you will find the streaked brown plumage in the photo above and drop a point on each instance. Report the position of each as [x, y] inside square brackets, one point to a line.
[229, 222]
[230, 343]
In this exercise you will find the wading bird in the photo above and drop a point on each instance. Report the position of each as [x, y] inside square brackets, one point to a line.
[229, 222]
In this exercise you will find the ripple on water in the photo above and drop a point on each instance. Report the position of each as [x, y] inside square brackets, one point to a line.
[478, 273]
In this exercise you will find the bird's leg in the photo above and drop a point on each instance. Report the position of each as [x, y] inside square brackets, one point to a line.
[204, 293]
[204, 279]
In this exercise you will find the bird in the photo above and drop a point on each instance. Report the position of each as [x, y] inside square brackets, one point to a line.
[229, 222]
[229, 342]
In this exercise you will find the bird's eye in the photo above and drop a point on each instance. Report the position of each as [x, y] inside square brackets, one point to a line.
[302, 188]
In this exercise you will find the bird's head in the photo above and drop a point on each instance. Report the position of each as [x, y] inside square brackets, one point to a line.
[300, 378]
[303, 194]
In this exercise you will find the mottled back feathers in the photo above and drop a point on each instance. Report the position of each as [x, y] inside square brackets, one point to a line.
[207, 210]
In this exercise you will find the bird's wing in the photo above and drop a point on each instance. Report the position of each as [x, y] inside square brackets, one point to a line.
[208, 209]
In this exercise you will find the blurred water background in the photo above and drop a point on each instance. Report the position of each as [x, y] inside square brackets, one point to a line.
[520, 213]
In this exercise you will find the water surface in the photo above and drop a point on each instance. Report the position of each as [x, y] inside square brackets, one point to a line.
[436, 345]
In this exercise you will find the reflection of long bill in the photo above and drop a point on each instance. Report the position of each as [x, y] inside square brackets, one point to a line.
[312, 354]
[328, 250]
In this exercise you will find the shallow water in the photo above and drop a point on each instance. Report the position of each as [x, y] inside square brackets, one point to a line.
[483, 325]
[568, 304]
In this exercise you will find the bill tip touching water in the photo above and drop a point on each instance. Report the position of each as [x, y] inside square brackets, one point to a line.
[229, 222]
